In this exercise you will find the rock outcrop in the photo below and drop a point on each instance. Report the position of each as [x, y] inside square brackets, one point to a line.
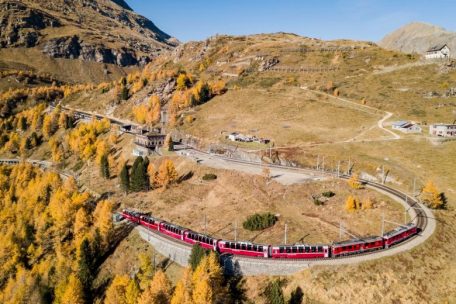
[418, 38]
[105, 31]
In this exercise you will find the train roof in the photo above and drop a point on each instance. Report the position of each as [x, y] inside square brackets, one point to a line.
[399, 229]
[174, 225]
[301, 245]
[200, 234]
[358, 241]
[243, 243]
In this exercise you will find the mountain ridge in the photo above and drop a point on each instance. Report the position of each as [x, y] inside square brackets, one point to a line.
[418, 37]
[104, 31]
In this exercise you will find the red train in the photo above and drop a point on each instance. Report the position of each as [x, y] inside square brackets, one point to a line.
[299, 251]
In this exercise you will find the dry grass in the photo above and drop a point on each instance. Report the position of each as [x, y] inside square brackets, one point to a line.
[287, 118]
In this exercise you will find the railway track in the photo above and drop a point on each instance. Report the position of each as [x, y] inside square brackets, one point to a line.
[421, 216]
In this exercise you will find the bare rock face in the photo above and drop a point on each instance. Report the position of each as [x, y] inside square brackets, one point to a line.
[418, 38]
[21, 25]
[105, 31]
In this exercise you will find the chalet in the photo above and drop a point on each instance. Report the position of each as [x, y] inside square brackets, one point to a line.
[406, 127]
[443, 130]
[438, 52]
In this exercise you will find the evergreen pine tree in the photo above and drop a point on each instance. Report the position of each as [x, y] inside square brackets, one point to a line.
[274, 293]
[139, 178]
[125, 179]
[104, 167]
[197, 254]
[85, 267]
[23, 123]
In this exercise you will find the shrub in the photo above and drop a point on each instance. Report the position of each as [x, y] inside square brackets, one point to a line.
[209, 177]
[328, 194]
[259, 221]
[318, 202]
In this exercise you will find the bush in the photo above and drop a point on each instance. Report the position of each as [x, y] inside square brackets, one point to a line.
[318, 202]
[259, 221]
[209, 177]
[328, 194]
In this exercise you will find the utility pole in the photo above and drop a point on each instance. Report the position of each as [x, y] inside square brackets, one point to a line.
[383, 174]
[270, 151]
[205, 224]
[340, 231]
[235, 230]
[338, 168]
[323, 165]
[286, 227]
[383, 223]
[349, 166]
[318, 162]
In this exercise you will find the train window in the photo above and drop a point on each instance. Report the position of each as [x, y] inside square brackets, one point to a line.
[249, 247]
[301, 250]
[255, 248]
[294, 249]
[281, 249]
[307, 249]
[211, 242]
[320, 249]
[238, 246]
[260, 248]
[313, 249]
[288, 249]
[233, 246]
[243, 246]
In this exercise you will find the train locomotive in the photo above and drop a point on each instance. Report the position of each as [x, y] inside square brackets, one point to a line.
[297, 251]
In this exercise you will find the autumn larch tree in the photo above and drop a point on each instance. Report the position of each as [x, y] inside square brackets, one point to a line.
[350, 204]
[167, 174]
[432, 197]
[168, 144]
[354, 182]
[183, 291]
[117, 291]
[159, 290]
[146, 270]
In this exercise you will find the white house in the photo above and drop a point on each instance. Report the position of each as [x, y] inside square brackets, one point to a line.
[443, 130]
[406, 127]
[438, 52]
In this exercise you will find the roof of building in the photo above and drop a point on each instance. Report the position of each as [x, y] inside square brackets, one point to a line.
[400, 123]
[436, 48]
[443, 125]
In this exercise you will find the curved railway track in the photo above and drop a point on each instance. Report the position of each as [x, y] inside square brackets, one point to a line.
[419, 211]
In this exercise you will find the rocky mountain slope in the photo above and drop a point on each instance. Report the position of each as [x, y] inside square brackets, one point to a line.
[105, 31]
[418, 38]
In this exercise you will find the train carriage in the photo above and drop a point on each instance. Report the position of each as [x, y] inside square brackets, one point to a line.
[172, 230]
[400, 234]
[243, 248]
[149, 222]
[300, 251]
[357, 246]
[132, 216]
[204, 241]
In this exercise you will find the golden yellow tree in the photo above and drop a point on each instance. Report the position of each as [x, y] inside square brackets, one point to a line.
[159, 291]
[167, 173]
[73, 293]
[116, 292]
[354, 181]
[146, 270]
[208, 281]
[350, 203]
[103, 219]
[431, 196]
[132, 292]
[183, 291]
